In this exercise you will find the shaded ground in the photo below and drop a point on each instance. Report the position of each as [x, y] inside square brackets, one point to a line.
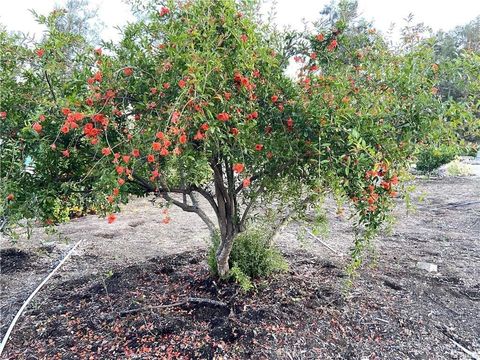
[393, 310]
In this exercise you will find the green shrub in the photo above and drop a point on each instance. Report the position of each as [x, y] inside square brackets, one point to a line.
[432, 157]
[456, 168]
[252, 257]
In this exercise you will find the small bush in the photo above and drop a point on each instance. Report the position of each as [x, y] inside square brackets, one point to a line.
[456, 168]
[432, 157]
[252, 257]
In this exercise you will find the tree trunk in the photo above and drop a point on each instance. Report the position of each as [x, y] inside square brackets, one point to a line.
[223, 256]
[227, 214]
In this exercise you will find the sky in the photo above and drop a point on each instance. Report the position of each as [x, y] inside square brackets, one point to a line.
[438, 14]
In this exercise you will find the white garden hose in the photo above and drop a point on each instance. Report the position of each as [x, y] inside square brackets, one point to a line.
[25, 304]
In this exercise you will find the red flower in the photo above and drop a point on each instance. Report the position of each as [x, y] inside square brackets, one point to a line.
[111, 218]
[53, 147]
[234, 131]
[268, 129]
[204, 127]
[156, 146]
[66, 153]
[259, 147]
[290, 122]
[153, 90]
[89, 102]
[121, 181]
[227, 95]
[182, 84]
[246, 182]
[164, 152]
[385, 185]
[110, 199]
[253, 115]
[394, 180]
[98, 51]
[333, 44]
[98, 76]
[199, 136]
[243, 38]
[164, 11]
[269, 155]
[40, 52]
[393, 193]
[150, 158]
[175, 117]
[128, 71]
[10, 197]
[320, 37]
[238, 167]
[183, 139]
[166, 86]
[41, 118]
[120, 169]
[126, 159]
[223, 116]
[106, 151]
[66, 111]
[136, 153]
[160, 135]
[37, 127]
[3, 114]
[274, 98]
[116, 191]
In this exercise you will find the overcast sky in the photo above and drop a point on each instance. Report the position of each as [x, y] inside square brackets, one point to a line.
[438, 14]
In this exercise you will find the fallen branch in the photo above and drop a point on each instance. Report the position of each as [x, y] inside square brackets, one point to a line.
[187, 301]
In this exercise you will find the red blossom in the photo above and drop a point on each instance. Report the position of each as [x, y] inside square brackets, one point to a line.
[111, 218]
[238, 167]
[66, 153]
[223, 116]
[183, 139]
[40, 52]
[150, 158]
[128, 71]
[259, 147]
[246, 182]
[164, 11]
[156, 146]
[37, 127]
[106, 151]
[234, 131]
[274, 98]
[3, 114]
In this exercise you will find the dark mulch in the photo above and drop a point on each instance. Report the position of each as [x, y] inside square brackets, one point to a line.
[303, 314]
[13, 260]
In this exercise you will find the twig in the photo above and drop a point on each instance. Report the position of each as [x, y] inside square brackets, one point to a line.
[180, 303]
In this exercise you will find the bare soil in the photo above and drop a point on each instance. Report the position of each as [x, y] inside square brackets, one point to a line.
[125, 292]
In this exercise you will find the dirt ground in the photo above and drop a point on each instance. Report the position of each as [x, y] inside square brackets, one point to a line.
[132, 289]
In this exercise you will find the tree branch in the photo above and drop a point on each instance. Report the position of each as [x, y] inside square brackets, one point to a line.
[50, 86]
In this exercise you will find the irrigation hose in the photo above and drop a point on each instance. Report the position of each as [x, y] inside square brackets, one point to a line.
[32, 295]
